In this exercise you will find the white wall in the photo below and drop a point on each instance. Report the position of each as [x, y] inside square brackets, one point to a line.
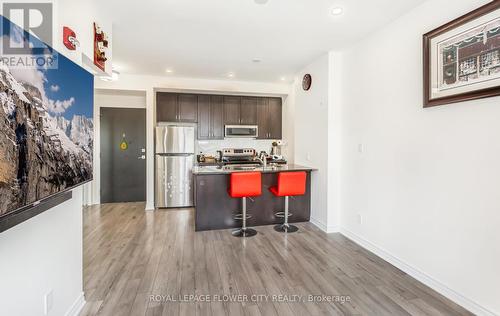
[120, 98]
[151, 84]
[80, 17]
[289, 126]
[426, 183]
[314, 115]
[41, 255]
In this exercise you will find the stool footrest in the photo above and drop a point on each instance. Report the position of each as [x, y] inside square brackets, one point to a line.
[240, 216]
[282, 214]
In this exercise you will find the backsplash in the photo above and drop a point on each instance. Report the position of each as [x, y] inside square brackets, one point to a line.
[211, 146]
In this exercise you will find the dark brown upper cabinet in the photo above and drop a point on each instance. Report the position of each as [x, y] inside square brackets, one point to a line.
[210, 117]
[275, 118]
[212, 112]
[188, 108]
[269, 118]
[232, 113]
[174, 107]
[240, 110]
[166, 107]
[248, 111]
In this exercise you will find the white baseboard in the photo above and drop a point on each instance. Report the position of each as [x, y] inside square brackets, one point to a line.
[419, 275]
[327, 229]
[77, 306]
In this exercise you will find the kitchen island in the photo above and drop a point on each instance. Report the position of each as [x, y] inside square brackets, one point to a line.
[215, 209]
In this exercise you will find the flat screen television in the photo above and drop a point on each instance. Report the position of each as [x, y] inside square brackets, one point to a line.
[46, 126]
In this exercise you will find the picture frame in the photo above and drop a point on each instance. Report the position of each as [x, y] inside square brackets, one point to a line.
[461, 59]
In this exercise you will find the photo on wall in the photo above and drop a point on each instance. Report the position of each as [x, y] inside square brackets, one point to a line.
[46, 127]
[462, 58]
[471, 57]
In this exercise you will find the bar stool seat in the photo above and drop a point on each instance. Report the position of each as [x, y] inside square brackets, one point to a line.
[245, 185]
[289, 184]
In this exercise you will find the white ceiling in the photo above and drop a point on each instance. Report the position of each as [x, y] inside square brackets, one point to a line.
[210, 38]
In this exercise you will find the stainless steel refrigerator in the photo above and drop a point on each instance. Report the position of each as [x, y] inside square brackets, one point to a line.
[174, 163]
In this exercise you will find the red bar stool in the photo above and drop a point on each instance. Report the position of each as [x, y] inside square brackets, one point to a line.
[245, 185]
[289, 184]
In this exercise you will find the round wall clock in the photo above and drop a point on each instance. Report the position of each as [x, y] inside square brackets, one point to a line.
[306, 82]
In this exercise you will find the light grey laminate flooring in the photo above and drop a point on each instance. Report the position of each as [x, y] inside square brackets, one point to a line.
[154, 263]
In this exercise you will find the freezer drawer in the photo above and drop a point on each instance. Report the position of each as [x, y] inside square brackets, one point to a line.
[174, 181]
[174, 139]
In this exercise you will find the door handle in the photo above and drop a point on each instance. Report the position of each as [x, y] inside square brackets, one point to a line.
[142, 157]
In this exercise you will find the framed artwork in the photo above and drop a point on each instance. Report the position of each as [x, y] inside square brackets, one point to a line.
[462, 58]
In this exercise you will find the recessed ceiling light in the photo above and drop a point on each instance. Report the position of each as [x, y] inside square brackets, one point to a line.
[261, 1]
[169, 71]
[230, 75]
[283, 78]
[336, 11]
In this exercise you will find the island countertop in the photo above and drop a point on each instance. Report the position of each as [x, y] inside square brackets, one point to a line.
[206, 170]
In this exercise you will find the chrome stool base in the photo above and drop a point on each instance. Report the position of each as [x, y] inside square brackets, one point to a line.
[244, 232]
[286, 228]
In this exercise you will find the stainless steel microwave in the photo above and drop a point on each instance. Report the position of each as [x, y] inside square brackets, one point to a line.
[241, 131]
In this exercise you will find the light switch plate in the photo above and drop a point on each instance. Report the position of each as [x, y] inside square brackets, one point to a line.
[360, 148]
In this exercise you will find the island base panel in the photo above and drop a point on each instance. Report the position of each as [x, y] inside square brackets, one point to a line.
[215, 209]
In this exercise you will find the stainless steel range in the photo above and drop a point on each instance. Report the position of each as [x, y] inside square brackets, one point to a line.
[237, 156]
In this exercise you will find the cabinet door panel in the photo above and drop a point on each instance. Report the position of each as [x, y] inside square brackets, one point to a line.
[166, 107]
[188, 108]
[248, 111]
[204, 117]
[232, 110]
[216, 117]
[275, 118]
[262, 117]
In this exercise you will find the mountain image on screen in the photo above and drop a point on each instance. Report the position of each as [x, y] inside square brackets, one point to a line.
[46, 129]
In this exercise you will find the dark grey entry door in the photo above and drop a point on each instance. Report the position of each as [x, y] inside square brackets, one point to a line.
[123, 153]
